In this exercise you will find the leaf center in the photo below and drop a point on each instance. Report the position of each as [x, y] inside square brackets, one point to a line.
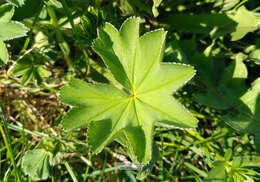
[134, 93]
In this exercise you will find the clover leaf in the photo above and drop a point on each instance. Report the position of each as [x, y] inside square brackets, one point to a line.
[142, 98]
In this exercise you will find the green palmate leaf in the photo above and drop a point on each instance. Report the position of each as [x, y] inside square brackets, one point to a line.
[225, 91]
[247, 117]
[142, 98]
[37, 163]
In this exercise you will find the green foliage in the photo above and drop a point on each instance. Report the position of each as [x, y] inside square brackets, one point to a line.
[239, 169]
[255, 55]
[38, 164]
[30, 69]
[6, 13]
[11, 30]
[215, 25]
[3, 53]
[8, 30]
[156, 4]
[89, 22]
[246, 115]
[130, 112]
[236, 23]
[29, 9]
[120, 88]
[247, 21]
[225, 4]
[16, 2]
[224, 91]
[130, 7]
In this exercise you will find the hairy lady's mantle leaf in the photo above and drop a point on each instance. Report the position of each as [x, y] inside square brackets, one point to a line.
[247, 119]
[36, 163]
[129, 114]
[223, 92]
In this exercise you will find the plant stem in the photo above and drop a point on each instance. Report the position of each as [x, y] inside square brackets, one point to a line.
[67, 11]
[60, 39]
[101, 172]
[86, 173]
[68, 167]
[6, 137]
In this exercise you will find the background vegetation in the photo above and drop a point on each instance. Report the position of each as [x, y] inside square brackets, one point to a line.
[46, 43]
